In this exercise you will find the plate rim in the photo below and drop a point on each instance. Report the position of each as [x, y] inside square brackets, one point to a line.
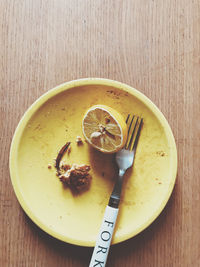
[73, 84]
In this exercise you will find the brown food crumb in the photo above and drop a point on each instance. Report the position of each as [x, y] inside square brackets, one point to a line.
[79, 140]
[161, 153]
[49, 166]
[62, 162]
[65, 167]
[159, 183]
[77, 177]
[60, 155]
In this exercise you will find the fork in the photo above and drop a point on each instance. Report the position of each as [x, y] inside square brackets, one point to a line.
[124, 159]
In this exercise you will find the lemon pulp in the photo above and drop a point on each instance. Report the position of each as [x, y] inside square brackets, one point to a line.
[104, 128]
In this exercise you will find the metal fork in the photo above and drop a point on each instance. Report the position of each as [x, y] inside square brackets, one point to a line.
[124, 159]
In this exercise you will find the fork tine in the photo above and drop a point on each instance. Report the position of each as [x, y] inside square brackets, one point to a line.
[134, 146]
[129, 128]
[127, 118]
[129, 144]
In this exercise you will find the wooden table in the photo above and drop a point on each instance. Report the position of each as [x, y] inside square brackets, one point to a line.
[151, 45]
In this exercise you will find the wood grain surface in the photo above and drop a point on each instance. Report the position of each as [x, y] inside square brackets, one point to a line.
[152, 45]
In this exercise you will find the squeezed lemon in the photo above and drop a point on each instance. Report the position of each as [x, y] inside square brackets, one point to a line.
[104, 128]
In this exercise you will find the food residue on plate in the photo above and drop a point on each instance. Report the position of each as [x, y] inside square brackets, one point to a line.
[49, 166]
[60, 155]
[75, 176]
[161, 153]
[79, 141]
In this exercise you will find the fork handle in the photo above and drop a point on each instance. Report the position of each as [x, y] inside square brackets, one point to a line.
[104, 238]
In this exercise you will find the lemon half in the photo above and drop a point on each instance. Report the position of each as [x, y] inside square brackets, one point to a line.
[104, 128]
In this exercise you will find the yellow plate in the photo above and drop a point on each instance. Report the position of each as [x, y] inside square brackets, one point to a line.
[54, 119]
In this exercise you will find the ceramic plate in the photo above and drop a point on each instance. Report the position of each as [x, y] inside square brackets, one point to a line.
[54, 119]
